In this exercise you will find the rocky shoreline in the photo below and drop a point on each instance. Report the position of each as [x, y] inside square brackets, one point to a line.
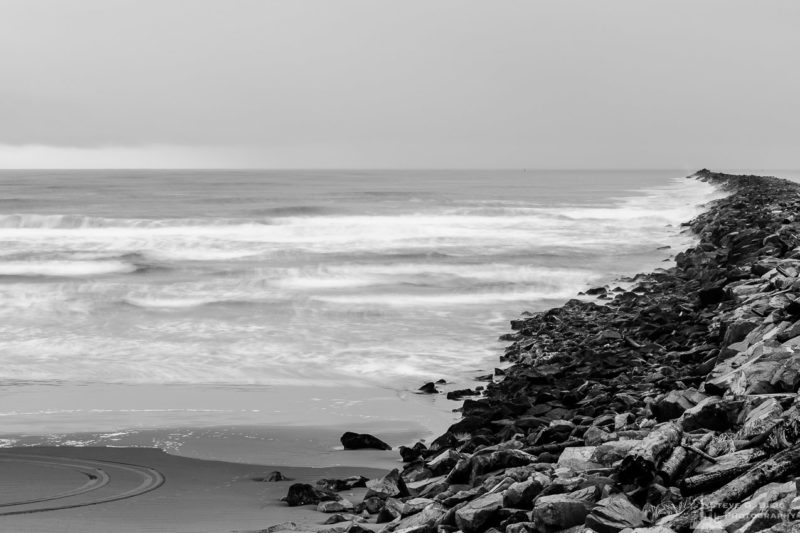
[667, 406]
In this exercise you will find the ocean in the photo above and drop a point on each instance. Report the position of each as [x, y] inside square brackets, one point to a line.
[220, 286]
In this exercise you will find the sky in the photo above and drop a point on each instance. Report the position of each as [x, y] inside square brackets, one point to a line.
[399, 84]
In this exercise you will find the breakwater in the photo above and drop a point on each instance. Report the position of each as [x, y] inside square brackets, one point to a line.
[668, 404]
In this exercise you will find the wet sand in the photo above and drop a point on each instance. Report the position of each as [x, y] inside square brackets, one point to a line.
[192, 495]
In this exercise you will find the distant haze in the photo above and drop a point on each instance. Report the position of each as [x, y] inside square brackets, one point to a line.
[406, 83]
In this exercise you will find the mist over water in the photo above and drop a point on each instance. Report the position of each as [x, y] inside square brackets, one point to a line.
[330, 277]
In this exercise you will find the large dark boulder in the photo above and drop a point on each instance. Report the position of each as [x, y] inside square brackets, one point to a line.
[360, 441]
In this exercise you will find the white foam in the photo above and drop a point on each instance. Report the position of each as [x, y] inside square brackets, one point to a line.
[168, 303]
[64, 268]
[422, 300]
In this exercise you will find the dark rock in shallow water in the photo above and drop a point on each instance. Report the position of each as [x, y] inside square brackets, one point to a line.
[408, 454]
[460, 394]
[360, 441]
[429, 388]
[273, 476]
[596, 290]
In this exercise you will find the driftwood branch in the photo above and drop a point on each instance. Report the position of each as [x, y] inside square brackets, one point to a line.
[642, 461]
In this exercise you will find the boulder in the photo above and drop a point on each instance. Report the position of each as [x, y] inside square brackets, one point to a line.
[595, 435]
[304, 494]
[675, 402]
[760, 417]
[409, 454]
[520, 495]
[359, 441]
[712, 413]
[558, 511]
[739, 329]
[578, 458]
[475, 515]
[480, 463]
[425, 520]
[429, 388]
[614, 514]
[389, 486]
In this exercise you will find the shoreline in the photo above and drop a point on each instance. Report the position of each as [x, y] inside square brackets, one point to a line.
[529, 442]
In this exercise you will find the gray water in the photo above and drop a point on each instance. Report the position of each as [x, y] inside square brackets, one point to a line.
[380, 279]
[313, 277]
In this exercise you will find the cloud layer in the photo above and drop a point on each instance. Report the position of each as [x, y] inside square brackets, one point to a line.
[365, 83]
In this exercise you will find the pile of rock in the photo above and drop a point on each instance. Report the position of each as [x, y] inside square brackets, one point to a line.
[670, 407]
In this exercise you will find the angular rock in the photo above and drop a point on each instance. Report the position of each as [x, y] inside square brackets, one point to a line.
[304, 494]
[429, 388]
[675, 402]
[475, 515]
[389, 486]
[558, 511]
[712, 413]
[521, 494]
[614, 514]
[578, 458]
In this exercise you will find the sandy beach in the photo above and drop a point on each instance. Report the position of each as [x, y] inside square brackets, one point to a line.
[195, 495]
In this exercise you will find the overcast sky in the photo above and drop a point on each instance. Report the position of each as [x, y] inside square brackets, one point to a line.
[404, 83]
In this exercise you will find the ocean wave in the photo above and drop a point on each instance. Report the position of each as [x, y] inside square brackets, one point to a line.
[343, 276]
[65, 268]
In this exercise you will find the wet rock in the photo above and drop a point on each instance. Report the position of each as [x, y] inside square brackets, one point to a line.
[359, 441]
[460, 394]
[429, 388]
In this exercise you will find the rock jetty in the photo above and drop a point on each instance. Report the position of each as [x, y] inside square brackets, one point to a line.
[669, 405]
